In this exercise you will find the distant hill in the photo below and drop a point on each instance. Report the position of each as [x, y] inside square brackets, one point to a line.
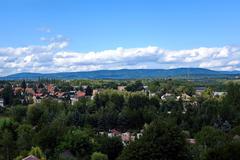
[191, 73]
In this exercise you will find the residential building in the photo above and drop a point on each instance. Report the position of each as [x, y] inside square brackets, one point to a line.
[121, 88]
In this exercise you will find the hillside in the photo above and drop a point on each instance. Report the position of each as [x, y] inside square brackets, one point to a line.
[128, 74]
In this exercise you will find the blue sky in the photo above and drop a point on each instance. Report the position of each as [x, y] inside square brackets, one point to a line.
[78, 28]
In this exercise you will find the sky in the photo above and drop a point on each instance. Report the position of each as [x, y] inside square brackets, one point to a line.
[49, 36]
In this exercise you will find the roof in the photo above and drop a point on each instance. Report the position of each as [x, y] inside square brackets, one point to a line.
[191, 141]
[38, 94]
[80, 94]
[114, 131]
[121, 88]
[60, 94]
[30, 91]
[17, 90]
[50, 88]
[31, 157]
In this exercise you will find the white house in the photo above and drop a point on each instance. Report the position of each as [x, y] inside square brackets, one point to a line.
[167, 96]
[219, 94]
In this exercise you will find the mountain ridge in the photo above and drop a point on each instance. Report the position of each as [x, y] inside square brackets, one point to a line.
[125, 74]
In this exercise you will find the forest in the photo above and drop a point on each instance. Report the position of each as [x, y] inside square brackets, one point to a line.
[53, 130]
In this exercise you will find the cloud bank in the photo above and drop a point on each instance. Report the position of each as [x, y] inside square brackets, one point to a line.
[55, 57]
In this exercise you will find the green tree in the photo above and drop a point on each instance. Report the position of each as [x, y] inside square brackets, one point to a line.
[23, 85]
[210, 137]
[49, 137]
[18, 113]
[79, 142]
[24, 137]
[7, 145]
[89, 91]
[137, 100]
[233, 96]
[136, 86]
[226, 152]
[207, 93]
[8, 95]
[160, 141]
[112, 147]
[34, 114]
[36, 151]
[98, 156]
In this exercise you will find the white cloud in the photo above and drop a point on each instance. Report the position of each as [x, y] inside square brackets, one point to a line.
[234, 62]
[54, 57]
[44, 29]
[211, 64]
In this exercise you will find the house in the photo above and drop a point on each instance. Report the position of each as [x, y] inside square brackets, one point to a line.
[37, 97]
[18, 90]
[80, 94]
[126, 137]
[145, 88]
[191, 141]
[95, 92]
[114, 133]
[31, 157]
[84, 87]
[167, 96]
[139, 135]
[61, 95]
[121, 88]
[1, 102]
[73, 100]
[185, 97]
[51, 89]
[219, 94]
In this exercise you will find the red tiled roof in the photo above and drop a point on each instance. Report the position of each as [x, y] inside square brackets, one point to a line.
[38, 94]
[80, 94]
[50, 88]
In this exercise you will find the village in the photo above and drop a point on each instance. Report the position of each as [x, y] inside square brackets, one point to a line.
[27, 94]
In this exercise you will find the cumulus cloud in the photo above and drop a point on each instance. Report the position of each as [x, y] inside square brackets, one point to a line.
[55, 57]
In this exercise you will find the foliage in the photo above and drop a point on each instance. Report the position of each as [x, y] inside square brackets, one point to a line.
[226, 152]
[98, 156]
[159, 141]
[64, 130]
[36, 151]
[112, 147]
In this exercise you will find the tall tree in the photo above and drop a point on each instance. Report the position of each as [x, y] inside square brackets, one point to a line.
[160, 141]
[8, 95]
